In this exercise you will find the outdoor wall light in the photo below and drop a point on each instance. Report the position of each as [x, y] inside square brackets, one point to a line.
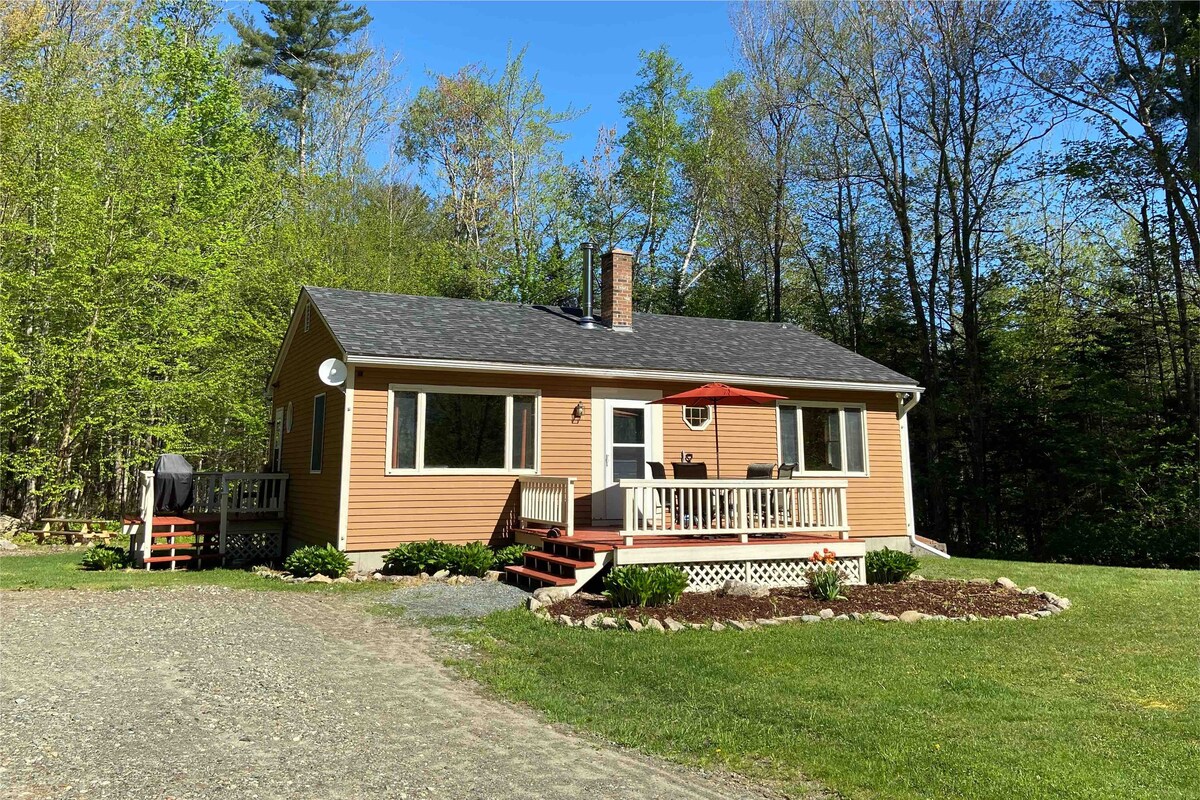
[577, 412]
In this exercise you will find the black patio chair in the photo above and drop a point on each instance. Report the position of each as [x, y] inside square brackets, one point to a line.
[759, 471]
[688, 505]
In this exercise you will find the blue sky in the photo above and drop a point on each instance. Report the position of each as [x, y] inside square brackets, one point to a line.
[585, 53]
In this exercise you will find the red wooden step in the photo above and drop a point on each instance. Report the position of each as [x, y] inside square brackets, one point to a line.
[165, 559]
[179, 546]
[541, 555]
[544, 577]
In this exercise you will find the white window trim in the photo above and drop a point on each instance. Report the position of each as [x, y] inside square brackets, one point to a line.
[841, 407]
[688, 422]
[423, 389]
[312, 437]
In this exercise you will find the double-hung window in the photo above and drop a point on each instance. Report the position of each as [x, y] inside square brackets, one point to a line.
[461, 429]
[823, 439]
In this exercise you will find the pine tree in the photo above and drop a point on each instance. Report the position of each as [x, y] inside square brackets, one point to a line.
[302, 44]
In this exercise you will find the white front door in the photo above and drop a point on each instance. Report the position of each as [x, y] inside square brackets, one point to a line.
[629, 434]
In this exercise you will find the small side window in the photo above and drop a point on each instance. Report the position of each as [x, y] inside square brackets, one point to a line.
[318, 434]
[697, 417]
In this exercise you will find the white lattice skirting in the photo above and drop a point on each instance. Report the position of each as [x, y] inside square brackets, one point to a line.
[253, 547]
[706, 575]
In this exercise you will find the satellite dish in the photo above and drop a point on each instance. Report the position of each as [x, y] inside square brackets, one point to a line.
[332, 372]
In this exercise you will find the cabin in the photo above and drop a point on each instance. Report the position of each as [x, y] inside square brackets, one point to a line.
[463, 421]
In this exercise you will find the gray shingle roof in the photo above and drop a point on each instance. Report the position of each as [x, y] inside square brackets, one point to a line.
[404, 326]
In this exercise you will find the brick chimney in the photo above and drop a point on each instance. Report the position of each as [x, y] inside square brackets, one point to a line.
[616, 290]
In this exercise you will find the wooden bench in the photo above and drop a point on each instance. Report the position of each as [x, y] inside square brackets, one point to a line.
[73, 530]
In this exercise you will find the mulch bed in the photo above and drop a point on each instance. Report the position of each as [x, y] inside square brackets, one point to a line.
[946, 597]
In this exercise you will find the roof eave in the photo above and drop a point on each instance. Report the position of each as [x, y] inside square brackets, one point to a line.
[638, 374]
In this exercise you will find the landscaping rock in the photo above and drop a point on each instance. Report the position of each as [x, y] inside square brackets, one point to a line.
[5, 544]
[563, 619]
[9, 527]
[608, 623]
[362, 578]
[591, 621]
[653, 624]
[841, 618]
[913, 616]
[980, 581]
[717, 626]
[879, 616]
[734, 588]
[826, 613]
[1054, 609]
[1006, 584]
[441, 574]
[810, 618]
[319, 579]
[1042, 613]
[551, 594]
[767, 622]
[343, 579]
[1026, 616]
[634, 625]
[856, 616]
[741, 625]
[1031, 590]
[939, 618]
[493, 575]
[533, 604]
[673, 625]
[1061, 602]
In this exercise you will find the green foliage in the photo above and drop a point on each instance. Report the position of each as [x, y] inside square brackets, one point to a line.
[102, 557]
[512, 555]
[637, 586]
[473, 558]
[825, 582]
[315, 560]
[413, 558]
[890, 566]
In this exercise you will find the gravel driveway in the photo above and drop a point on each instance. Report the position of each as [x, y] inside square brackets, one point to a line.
[212, 693]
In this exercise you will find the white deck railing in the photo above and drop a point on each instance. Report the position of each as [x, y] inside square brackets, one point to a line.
[222, 493]
[733, 507]
[548, 501]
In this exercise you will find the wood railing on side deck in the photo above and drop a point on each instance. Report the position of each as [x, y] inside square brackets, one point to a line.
[735, 507]
[548, 500]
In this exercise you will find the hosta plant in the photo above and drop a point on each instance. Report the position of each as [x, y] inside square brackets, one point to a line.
[314, 560]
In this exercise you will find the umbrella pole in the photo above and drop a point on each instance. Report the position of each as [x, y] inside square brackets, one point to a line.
[717, 435]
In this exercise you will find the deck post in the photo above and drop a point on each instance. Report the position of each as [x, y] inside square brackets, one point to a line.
[147, 514]
[569, 506]
[843, 513]
[224, 524]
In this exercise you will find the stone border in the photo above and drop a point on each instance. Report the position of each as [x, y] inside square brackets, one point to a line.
[442, 576]
[543, 599]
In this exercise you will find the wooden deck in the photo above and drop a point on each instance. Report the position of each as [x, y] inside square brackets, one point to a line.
[610, 539]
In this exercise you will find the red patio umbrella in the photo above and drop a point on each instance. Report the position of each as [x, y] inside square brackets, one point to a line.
[718, 394]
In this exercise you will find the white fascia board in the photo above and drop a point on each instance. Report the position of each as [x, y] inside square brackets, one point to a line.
[634, 374]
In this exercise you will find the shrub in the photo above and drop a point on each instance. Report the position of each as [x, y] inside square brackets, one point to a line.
[824, 576]
[634, 586]
[512, 555]
[104, 557]
[416, 557]
[890, 566]
[474, 558]
[313, 560]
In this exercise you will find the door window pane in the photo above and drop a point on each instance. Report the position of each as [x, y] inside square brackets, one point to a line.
[629, 425]
[523, 441]
[404, 430]
[855, 452]
[822, 440]
[628, 462]
[789, 449]
[464, 431]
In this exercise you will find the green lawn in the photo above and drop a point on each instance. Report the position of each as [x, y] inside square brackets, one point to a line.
[61, 571]
[1102, 701]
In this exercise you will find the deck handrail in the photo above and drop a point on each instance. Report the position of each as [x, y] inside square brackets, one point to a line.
[704, 507]
[548, 500]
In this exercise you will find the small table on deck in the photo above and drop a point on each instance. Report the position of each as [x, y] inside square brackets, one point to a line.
[84, 530]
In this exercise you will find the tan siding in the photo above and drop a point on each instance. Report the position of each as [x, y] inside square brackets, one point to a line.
[312, 499]
[385, 510]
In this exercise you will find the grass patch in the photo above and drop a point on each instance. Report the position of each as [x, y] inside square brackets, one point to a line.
[1103, 701]
[61, 571]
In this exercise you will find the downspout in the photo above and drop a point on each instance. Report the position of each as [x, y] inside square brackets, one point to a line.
[905, 402]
